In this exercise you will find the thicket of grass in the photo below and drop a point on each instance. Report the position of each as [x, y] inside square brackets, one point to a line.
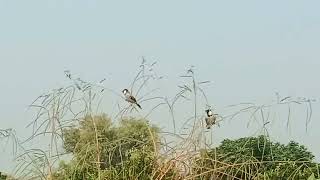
[84, 144]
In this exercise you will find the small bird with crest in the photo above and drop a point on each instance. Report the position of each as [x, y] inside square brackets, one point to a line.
[130, 98]
[210, 118]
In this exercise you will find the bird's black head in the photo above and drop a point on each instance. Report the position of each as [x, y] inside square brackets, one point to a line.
[209, 112]
[125, 91]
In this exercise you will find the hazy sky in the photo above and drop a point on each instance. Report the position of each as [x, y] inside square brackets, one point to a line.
[249, 49]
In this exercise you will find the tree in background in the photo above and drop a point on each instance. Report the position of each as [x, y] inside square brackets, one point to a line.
[257, 157]
[102, 150]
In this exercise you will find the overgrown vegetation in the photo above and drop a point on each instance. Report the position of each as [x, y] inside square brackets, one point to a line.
[84, 143]
[257, 158]
[131, 151]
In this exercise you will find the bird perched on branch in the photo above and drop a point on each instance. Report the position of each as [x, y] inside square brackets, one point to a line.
[130, 98]
[210, 119]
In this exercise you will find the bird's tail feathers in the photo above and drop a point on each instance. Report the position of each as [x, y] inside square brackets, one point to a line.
[139, 105]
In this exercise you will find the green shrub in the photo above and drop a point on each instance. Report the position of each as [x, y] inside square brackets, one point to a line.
[101, 149]
[256, 157]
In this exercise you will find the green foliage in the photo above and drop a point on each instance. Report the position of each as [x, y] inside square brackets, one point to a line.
[312, 177]
[258, 157]
[2, 176]
[129, 150]
[101, 149]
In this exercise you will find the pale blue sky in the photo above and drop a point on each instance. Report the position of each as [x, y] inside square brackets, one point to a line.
[250, 49]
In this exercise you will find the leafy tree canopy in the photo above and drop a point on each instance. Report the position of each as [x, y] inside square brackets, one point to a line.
[254, 157]
[101, 149]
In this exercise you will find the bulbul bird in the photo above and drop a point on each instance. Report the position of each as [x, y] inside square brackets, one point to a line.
[130, 98]
[210, 119]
